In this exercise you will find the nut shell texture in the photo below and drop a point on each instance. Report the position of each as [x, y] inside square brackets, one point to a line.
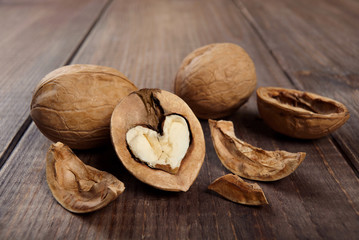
[249, 161]
[73, 104]
[215, 80]
[78, 187]
[300, 114]
[138, 109]
[237, 190]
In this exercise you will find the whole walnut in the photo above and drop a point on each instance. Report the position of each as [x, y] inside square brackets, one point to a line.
[216, 79]
[73, 104]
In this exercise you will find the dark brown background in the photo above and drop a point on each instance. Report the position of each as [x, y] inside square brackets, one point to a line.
[307, 45]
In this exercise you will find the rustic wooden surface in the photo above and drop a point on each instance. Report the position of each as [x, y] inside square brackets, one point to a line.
[308, 45]
[35, 38]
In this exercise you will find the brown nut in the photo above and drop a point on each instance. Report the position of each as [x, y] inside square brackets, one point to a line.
[300, 114]
[215, 80]
[73, 104]
[158, 139]
[78, 187]
[248, 161]
[235, 189]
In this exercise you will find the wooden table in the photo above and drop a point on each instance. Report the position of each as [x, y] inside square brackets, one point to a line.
[306, 45]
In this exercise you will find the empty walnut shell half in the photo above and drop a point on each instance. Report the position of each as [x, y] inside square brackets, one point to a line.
[300, 114]
[73, 104]
[248, 161]
[78, 187]
[158, 139]
[235, 189]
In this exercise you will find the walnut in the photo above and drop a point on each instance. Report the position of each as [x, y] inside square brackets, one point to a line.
[158, 139]
[216, 79]
[73, 104]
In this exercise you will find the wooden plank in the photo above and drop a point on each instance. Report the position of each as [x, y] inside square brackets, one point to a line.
[166, 32]
[35, 38]
[301, 206]
[147, 42]
[317, 45]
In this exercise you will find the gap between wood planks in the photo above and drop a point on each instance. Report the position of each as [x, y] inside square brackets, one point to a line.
[246, 14]
[16, 139]
[346, 157]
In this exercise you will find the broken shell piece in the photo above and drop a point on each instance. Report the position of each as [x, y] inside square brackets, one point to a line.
[163, 151]
[300, 114]
[248, 161]
[235, 189]
[78, 187]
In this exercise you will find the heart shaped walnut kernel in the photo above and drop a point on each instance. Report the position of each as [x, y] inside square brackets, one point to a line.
[163, 151]
[158, 139]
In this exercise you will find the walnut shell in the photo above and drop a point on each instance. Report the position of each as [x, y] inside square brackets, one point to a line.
[248, 161]
[300, 114]
[234, 188]
[148, 108]
[216, 79]
[76, 186]
[73, 104]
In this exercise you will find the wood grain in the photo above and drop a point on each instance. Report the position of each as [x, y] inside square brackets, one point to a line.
[147, 42]
[35, 38]
[311, 203]
[317, 46]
